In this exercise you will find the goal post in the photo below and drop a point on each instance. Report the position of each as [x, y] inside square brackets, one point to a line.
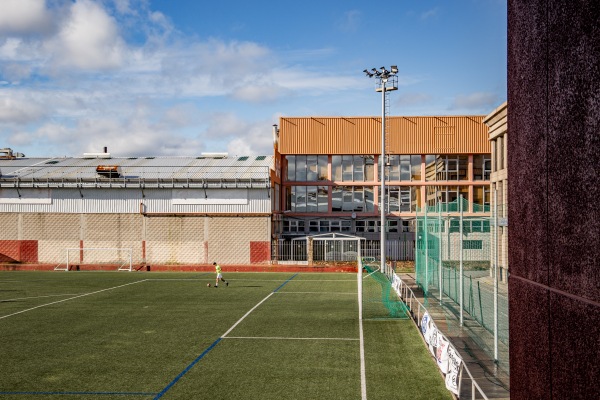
[98, 258]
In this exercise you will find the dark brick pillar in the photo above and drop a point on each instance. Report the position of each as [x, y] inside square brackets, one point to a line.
[554, 198]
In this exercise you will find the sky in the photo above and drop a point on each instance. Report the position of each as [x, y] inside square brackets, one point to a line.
[185, 77]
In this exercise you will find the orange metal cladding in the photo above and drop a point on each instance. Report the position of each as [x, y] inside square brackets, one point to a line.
[362, 135]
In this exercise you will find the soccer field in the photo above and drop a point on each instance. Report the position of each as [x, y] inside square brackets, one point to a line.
[103, 335]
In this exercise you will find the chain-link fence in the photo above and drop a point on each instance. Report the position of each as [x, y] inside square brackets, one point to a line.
[454, 266]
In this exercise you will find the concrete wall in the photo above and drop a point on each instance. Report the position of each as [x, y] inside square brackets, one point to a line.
[554, 195]
[157, 240]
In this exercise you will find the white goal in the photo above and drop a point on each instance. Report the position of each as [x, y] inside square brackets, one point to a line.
[91, 257]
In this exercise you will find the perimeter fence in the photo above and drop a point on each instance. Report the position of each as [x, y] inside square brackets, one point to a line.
[454, 266]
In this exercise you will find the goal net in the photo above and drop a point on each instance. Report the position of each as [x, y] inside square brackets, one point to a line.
[119, 259]
[378, 299]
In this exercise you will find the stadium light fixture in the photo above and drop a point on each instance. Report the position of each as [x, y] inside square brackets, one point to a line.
[386, 82]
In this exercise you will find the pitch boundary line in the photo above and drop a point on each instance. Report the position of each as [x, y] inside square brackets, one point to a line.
[288, 338]
[70, 298]
[348, 293]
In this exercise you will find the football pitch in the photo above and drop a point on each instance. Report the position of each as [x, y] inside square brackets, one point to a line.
[121, 335]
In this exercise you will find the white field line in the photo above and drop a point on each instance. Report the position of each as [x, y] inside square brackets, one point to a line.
[288, 338]
[363, 374]
[348, 293]
[245, 315]
[40, 297]
[70, 298]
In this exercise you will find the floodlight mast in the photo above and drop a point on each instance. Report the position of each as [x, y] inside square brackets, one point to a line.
[386, 82]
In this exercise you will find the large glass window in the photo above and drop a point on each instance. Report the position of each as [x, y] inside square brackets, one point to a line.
[402, 198]
[399, 167]
[303, 168]
[352, 199]
[482, 167]
[415, 168]
[348, 168]
[308, 199]
[450, 167]
[481, 198]
[447, 196]
[430, 167]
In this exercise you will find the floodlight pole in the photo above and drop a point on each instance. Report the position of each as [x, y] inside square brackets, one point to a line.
[386, 82]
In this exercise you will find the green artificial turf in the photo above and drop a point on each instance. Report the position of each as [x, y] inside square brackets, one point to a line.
[139, 335]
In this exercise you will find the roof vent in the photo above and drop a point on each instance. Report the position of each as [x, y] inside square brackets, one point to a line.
[214, 155]
[7, 154]
[96, 155]
[108, 171]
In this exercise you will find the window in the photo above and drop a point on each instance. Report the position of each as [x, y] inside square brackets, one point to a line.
[308, 199]
[399, 167]
[472, 244]
[402, 198]
[352, 199]
[348, 168]
[293, 226]
[481, 198]
[372, 226]
[306, 168]
[482, 167]
[326, 226]
[415, 168]
[448, 197]
[451, 167]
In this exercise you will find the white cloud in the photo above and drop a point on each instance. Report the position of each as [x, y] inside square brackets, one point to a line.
[24, 17]
[19, 111]
[88, 39]
[256, 140]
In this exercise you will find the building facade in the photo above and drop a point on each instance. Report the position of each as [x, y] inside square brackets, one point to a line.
[167, 210]
[498, 125]
[330, 172]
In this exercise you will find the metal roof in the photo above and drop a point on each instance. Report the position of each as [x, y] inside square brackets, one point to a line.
[248, 171]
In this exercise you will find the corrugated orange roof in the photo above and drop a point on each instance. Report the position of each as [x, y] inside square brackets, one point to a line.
[405, 135]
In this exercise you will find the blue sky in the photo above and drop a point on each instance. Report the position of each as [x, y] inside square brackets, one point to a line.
[181, 77]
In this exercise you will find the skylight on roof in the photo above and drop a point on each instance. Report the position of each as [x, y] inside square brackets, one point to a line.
[244, 158]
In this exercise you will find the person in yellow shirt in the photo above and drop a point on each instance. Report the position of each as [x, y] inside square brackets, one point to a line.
[219, 275]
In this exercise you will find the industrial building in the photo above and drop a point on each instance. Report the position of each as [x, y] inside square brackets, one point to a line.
[167, 210]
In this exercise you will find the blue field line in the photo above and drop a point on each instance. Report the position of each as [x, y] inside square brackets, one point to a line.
[285, 283]
[205, 352]
[79, 393]
[185, 371]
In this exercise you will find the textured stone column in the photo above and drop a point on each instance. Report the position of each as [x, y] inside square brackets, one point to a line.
[554, 198]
